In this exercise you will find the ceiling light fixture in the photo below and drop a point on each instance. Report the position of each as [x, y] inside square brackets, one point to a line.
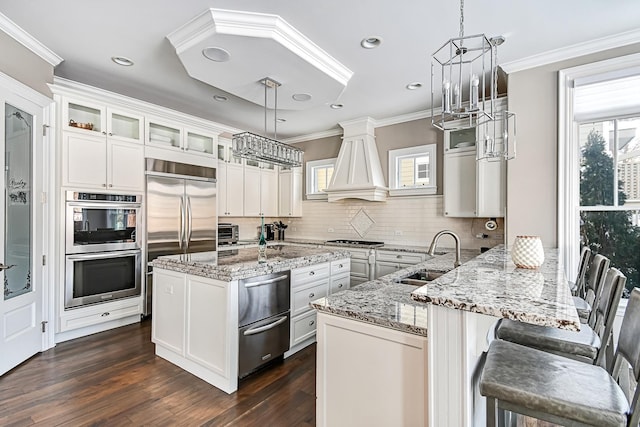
[414, 86]
[216, 54]
[255, 147]
[121, 60]
[301, 97]
[371, 42]
[336, 106]
[220, 98]
[468, 69]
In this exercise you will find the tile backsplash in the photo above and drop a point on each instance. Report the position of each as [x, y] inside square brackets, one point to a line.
[409, 221]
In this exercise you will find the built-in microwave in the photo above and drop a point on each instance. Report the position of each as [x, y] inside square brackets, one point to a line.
[227, 233]
[98, 222]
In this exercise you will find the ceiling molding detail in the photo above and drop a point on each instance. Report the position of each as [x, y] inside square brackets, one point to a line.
[28, 41]
[573, 51]
[312, 136]
[276, 40]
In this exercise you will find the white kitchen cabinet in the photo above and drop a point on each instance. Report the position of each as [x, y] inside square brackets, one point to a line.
[118, 312]
[230, 177]
[98, 162]
[362, 265]
[368, 375]
[171, 135]
[194, 326]
[388, 262]
[101, 147]
[309, 284]
[290, 194]
[260, 189]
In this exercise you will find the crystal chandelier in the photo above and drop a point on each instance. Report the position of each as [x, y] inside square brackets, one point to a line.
[468, 68]
[256, 147]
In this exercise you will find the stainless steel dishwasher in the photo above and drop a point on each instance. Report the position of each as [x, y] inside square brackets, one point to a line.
[263, 319]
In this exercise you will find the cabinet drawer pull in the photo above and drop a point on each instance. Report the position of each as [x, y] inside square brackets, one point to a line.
[105, 314]
[311, 323]
[311, 273]
[311, 295]
[340, 286]
[399, 256]
[340, 266]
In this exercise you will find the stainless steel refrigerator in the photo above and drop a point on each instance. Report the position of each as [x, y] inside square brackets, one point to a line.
[181, 213]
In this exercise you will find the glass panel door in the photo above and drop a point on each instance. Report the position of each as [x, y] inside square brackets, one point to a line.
[18, 193]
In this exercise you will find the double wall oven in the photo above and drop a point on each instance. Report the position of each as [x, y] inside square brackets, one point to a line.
[103, 249]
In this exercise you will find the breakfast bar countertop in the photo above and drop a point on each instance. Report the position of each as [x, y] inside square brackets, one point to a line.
[491, 284]
[488, 283]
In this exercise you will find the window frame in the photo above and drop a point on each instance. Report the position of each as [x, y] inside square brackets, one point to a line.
[414, 152]
[569, 154]
[310, 192]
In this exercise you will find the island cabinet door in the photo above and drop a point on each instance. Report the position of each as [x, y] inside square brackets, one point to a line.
[168, 324]
[369, 375]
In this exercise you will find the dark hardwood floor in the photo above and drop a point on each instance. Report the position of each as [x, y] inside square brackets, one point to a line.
[115, 379]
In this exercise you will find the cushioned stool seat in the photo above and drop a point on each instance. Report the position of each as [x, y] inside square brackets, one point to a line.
[583, 308]
[584, 343]
[551, 384]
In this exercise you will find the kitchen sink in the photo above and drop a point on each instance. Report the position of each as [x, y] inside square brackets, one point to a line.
[420, 278]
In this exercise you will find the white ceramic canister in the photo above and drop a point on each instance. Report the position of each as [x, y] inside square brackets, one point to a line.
[527, 252]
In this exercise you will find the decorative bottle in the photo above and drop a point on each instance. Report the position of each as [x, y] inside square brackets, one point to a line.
[262, 245]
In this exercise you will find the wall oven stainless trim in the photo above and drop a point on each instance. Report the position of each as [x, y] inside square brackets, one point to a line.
[74, 302]
[73, 202]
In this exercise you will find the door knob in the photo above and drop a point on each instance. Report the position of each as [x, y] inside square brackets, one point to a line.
[6, 267]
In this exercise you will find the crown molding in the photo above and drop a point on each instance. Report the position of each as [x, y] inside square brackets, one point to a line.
[312, 136]
[574, 51]
[28, 41]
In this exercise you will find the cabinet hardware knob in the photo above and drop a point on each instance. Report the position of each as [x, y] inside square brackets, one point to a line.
[104, 133]
[311, 295]
[312, 323]
[399, 256]
[340, 286]
[110, 185]
[104, 185]
[110, 134]
[311, 273]
[340, 266]
[105, 314]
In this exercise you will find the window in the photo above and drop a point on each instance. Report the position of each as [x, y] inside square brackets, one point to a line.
[599, 185]
[319, 173]
[412, 171]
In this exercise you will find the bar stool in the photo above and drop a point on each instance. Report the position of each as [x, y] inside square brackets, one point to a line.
[587, 345]
[578, 287]
[599, 264]
[560, 390]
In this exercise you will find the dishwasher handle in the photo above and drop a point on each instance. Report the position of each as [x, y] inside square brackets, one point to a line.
[266, 282]
[259, 329]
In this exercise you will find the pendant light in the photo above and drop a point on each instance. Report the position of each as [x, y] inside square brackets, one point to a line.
[256, 147]
[467, 68]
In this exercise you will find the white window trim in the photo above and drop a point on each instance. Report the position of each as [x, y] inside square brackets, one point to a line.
[429, 149]
[569, 155]
[311, 195]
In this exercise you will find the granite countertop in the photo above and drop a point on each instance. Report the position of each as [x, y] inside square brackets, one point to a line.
[488, 283]
[314, 242]
[240, 263]
[387, 303]
[491, 284]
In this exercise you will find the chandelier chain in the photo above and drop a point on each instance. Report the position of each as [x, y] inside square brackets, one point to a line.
[461, 18]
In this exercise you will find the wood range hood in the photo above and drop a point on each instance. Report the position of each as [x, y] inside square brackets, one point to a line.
[357, 173]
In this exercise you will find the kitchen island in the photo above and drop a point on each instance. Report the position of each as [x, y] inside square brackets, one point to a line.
[195, 322]
[412, 356]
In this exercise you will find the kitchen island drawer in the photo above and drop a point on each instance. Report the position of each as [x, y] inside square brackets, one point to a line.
[409, 258]
[339, 283]
[312, 273]
[301, 297]
[303, 327]
[340, 266]
[100, 313]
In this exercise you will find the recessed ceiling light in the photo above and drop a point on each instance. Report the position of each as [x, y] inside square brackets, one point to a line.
[336, 106]
[301, 97]
[281, 120]
[216, 54]
[220, 98]
[414, 86]
[371, 42]
[121, 60]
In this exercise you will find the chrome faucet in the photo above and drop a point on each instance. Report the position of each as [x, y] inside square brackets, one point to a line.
[434, 242]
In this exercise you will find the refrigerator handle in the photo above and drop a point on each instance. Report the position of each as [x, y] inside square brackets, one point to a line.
[190, 225]
[181, 231]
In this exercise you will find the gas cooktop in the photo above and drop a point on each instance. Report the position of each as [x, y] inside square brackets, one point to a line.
[356, 242]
